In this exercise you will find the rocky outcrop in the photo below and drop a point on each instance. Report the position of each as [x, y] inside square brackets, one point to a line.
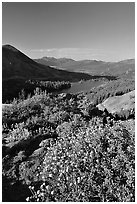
[117, 104]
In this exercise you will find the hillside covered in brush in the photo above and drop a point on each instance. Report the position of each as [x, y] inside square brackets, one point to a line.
[62, 148]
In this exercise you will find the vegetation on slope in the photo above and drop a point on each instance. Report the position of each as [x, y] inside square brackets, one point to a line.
[113, 88]
[49, 86]
[60, 148]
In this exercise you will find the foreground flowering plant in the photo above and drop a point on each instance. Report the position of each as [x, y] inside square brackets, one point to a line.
[65, 149]
[90, 164]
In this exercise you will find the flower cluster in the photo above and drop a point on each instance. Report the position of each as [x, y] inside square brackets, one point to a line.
[92, 164]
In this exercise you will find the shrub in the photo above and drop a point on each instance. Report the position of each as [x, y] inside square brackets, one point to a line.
[92, 164]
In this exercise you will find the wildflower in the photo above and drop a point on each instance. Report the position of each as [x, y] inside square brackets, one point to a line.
[43, 184]
[27, 199]
[47, 187]
[52, 192]
[78, 179]
[67, 169]
[42, 194]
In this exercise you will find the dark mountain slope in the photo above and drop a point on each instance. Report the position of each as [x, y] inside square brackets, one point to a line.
[17, 65]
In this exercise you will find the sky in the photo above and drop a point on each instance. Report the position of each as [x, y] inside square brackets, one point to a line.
[91, 30]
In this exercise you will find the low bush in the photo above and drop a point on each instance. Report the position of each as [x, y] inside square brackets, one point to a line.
[65, 149]
[94, 164]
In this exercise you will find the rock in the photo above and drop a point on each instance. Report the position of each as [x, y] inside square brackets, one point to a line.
[62, 95]
[45, 143]
[37, 152]
[116, 104]
[101, 107]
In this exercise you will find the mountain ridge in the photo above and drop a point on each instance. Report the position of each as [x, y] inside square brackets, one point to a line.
[93, 67]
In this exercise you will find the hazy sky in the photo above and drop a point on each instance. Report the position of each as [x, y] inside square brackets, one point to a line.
[92, 30]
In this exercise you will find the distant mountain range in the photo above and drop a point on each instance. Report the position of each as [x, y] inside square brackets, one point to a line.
[51, 61]
[93, 67]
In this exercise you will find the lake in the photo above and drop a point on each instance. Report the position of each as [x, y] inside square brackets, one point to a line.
[82, 86]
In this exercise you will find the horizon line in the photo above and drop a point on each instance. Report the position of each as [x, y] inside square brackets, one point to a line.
[65, 57]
